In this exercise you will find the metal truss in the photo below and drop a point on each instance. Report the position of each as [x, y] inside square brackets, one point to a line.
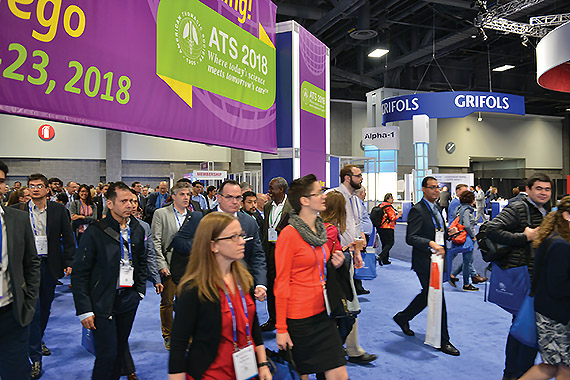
[538, 27]
[514, 27]
[504, 10]
[552, 20]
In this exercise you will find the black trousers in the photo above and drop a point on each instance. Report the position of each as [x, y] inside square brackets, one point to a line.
[43, 310]
[271, 273]
[14, 363]
[111, 336]
[387, 239]
[518, 357]
[420, 302]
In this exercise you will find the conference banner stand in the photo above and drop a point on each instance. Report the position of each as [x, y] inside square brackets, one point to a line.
[303, 107]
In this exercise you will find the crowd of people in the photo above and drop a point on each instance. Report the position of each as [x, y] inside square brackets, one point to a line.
[212, 252]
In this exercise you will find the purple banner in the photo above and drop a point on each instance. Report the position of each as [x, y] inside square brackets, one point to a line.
[95, 63]
[312, 86]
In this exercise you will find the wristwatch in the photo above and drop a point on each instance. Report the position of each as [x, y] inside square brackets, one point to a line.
[263, 364]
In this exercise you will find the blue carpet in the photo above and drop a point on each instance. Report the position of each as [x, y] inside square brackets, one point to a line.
[477, 329]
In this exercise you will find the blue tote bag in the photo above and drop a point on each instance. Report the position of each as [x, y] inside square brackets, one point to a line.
[524, 328]
[368, 271]
[509, 287]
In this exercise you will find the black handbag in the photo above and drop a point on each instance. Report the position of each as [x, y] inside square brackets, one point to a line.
[339, 290]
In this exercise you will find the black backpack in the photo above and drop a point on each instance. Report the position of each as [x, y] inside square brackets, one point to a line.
[490, 250]
[377, 215]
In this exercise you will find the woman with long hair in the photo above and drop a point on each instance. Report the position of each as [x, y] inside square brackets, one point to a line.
[301, 257]
[466, 213]
[551, 287]
[215, 322]
[83, 211]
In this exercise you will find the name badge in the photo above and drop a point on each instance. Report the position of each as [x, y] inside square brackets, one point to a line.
[245, 364]
[327, 304]
[126, 274]
[440, 238]
[272, 234]
[41, 245]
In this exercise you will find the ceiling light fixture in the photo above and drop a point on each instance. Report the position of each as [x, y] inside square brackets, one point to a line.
[479, 119]
[504, 68]
[377, 53]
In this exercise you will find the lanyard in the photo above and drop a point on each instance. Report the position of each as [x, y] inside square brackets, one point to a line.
[176, 215]
[276, 220]
[433, 217]
[354, 215]
[234, 323]
[33, 221]
[129, 244]
[323, 283]
[84, 211]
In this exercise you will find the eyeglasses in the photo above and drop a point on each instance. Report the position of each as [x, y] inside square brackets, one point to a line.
[356, 175]
[39, 187]
[317, 194]
[235, 238]
[432, 187]
[230, 198]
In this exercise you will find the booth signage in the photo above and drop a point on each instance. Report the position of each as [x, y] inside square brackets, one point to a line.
[163, 68]
[209, 175]
[382, 137]
[457, 104]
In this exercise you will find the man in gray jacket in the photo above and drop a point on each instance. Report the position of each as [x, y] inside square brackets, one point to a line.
[165, 224]
[19, 288]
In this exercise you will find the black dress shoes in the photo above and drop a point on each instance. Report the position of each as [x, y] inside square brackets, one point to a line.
[268, 326]
[45, 350]
[386, 262]
[362, 359]
[404, 325]
[36, 371]
[449, 349]
[362, 291]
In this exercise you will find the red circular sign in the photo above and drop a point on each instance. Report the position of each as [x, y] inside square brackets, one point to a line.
[46, 132]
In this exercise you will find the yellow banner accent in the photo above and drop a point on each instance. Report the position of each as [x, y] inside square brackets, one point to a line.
[183, 90]
[263, 37]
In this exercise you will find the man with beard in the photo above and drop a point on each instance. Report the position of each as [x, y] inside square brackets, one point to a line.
[249, 207]
[351, 180]
[55, 187]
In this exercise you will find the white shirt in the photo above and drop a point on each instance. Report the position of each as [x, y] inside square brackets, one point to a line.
[276, 213]
[179, 217]
[353, 215]
[4, 274]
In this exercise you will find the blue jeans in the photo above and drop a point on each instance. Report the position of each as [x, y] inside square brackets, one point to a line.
[467, 267]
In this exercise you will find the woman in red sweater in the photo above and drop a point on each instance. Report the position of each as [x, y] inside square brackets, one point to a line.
[300, 261]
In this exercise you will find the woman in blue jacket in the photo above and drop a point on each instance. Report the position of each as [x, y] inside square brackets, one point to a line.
[551, 285]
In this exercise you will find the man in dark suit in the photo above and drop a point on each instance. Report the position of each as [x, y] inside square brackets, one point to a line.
[426, 233]
[155, 201]
[109, 280]
[276, 215]
[55, 246]
[101, 201]
[19, 288]
[229, 198]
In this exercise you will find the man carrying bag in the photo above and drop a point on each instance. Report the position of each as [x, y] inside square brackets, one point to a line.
[516, 227]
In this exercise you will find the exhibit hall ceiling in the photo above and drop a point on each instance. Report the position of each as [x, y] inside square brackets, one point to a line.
[468, 45]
